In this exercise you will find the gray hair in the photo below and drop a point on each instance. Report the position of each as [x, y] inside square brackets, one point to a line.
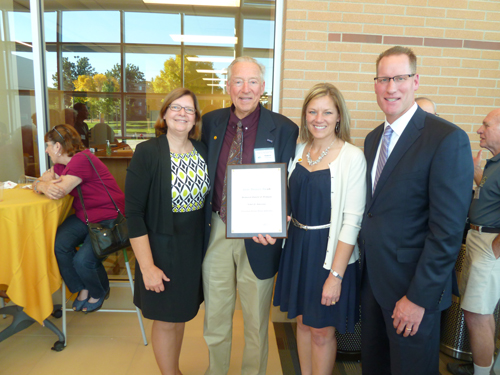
[249, 59]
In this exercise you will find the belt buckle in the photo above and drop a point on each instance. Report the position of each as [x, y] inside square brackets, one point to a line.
[480, 229]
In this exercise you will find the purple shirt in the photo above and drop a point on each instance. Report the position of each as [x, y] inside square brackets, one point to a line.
[250, 125]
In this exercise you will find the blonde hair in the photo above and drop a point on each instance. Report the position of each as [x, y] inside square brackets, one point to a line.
[318, 91]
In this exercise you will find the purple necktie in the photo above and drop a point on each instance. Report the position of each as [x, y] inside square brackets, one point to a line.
[235, 157]
[384, 154]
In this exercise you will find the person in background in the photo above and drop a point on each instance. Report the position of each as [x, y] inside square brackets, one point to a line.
[480, 282]
[319, 268]
[419, 178]
[82, 272]
[70, 116]
[231, 265]
[165, 189]
[427, 105]
[80, 125]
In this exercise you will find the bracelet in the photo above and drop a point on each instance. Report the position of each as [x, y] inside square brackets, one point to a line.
[35, 184]
[335, 274]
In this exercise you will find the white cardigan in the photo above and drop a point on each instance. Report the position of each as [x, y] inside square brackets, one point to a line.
[348, 174]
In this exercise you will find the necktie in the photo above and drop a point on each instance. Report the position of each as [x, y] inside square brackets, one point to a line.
[235, 157]
[384, 154]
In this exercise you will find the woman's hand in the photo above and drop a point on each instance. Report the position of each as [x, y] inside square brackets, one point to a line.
[52, 189]
[153, 278]
[331, 291]
[48, 175]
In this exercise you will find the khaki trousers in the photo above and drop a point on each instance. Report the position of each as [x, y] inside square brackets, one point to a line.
[225, 270]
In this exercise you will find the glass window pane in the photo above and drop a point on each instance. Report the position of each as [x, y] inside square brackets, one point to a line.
[209, 31]
[258, 34]
[142, 113]
[91, 26]
[149, 72]
[155, 28]
[91, 72]
[20, 26]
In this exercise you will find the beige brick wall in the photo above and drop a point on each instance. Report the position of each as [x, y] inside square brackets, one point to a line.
[457, 43]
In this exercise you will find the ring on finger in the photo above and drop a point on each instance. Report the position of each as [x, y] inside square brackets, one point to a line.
[409, 329]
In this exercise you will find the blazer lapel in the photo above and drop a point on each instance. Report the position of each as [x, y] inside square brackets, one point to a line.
[409, 136]
[370, 153]
[265, 137]
[217, 140]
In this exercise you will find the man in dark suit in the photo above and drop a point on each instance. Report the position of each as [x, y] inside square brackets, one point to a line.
[419, 181]
[236, 264]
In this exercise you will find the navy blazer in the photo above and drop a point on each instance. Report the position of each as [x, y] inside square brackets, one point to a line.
[274, 130]
[413, 224]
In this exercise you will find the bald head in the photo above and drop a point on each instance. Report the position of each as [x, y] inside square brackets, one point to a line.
[427, 105]
[489, 132]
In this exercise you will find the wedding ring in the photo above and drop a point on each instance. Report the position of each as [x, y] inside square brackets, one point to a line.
[408, 329]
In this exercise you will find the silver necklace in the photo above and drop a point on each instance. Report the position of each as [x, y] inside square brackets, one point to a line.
[323, 154]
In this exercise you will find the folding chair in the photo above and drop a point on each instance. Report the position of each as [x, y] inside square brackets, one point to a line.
[130, 279]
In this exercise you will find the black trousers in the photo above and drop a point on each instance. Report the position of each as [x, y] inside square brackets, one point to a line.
[384, 352]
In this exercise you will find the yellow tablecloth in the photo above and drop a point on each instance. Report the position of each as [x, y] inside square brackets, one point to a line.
[28, 266]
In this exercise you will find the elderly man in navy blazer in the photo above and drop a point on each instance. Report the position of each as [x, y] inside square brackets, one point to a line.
[236, 264]
[419, 183]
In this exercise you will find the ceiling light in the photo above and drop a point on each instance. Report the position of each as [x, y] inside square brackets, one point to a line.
[212, 59]
[215, 3]
[212, 39]
[223, 71]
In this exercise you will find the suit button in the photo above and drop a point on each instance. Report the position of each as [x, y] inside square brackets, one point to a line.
[370, 215]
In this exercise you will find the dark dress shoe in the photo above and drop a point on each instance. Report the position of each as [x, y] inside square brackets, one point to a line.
[92, 307]
[460, 368]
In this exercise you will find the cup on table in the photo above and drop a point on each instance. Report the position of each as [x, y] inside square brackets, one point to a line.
[1, 191]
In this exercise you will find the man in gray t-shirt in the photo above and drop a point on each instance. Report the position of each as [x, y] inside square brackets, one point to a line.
[480, 283]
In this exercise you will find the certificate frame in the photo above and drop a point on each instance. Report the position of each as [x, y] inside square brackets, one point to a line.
[240, 197]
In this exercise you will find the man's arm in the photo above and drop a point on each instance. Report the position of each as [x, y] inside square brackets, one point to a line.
[478, 171]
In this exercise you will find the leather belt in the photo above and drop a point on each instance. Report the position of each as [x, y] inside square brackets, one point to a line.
[482, 229]
[309, 227]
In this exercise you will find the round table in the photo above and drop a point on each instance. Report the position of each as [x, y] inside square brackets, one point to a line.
[28, 266]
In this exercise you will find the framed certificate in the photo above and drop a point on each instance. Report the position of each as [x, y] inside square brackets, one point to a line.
[256, 200]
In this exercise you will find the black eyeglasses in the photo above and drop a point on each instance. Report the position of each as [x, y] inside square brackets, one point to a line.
[177, 108]
[397, 79]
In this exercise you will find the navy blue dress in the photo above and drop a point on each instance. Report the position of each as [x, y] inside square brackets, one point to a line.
[301, 275]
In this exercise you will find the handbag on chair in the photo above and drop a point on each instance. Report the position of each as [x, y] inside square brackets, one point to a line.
[106, 239]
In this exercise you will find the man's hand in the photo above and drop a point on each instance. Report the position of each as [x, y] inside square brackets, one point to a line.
[407, 317]
[267, 240]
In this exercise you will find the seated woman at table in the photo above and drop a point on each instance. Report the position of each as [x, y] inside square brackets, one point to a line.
[81, 270]
[317, 277]
[165, 191]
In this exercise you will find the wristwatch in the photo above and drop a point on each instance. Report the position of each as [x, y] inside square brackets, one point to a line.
[335, 274]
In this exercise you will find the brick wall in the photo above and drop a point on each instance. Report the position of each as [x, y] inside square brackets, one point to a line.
[457, 43]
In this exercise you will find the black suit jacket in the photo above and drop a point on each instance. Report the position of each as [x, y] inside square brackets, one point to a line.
[412, 226]
[274, 130]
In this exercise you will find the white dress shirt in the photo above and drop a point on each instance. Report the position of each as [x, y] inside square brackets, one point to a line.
[398, 127]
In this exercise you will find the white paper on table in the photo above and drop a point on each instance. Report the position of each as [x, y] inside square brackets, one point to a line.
[256, 201]
[9, 185]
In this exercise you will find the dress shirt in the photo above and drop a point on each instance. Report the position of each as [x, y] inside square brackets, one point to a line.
[398, 127]
[250, 125]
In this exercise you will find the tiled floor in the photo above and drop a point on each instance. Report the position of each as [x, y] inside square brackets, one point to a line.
[111, 343]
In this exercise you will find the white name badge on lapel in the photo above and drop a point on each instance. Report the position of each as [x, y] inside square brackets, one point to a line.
[264, 155]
